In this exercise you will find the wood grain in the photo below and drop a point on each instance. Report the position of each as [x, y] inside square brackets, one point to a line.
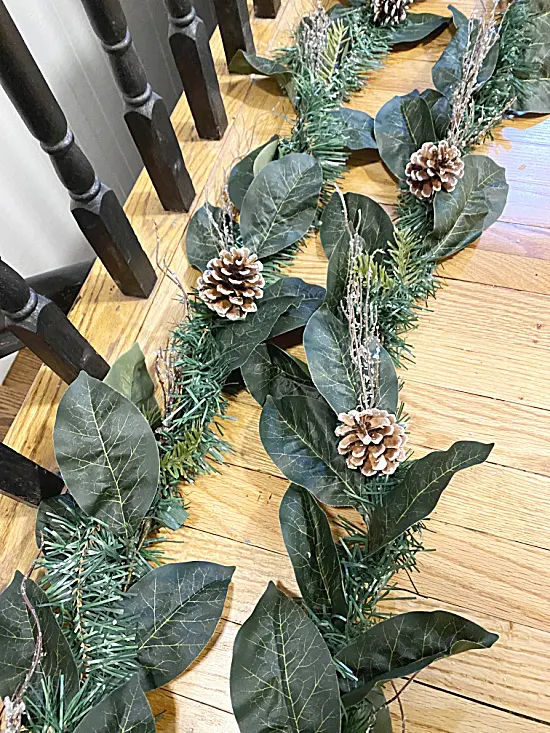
[481, 372]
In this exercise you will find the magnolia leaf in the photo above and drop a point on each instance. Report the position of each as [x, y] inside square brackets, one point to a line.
[107, 454]
[203, 241]
[416, 495]
[448, 71]
[249, 63]
[357, 128]
[382, 723]
[387, 393]
[459, 19]
[474, 205]
[327, 345]
[57, 657]
[367, 218]
[311, 548]
[242, 174]
[176, 609]
[298, 434]
[265, 156]
[405, 644]
[418, 26]
[307, 298]
[125, 710]
[16, 639]
[130, 377]
[401, 127]
[441, 113]
[280, 204]
[282, 674]
[534, 88]
[238, 339]
[271, 371]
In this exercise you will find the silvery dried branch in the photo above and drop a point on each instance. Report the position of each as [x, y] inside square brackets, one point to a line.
[361, 318]
[312, 38]
[483, 33]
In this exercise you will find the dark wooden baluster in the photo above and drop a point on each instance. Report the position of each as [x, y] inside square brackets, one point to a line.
[24, 480]
[191, 50]
[234, 22]
[94, 205]
[61, 285]
[266, 8]
[146, 114]
[42, 326]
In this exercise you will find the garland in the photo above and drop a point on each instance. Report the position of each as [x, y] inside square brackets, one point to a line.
[91, 637]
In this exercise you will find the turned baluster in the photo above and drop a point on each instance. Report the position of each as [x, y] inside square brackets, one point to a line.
[146, 114]
[24, 480]
[234, 23]
[42, 326]
[94, 206]
[191, 50]
[266, 8]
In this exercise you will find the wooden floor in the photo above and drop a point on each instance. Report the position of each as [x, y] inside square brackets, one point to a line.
[482, 372]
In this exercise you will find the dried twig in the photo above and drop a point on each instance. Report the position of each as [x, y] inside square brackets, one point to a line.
[483, 33]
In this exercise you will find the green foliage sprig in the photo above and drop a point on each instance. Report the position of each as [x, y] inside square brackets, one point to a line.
[93, 636]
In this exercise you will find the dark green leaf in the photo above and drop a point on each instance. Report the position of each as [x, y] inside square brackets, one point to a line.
[387, 397]
[265, 156]
[250, 63]
[176, 609]
[534, 95]
[327, 345]
[282, 674]
[280, 204]
[382, 723]
[16, 639]
[401, 127]
[475, 204]
[459, 19]
[311, 548]
[57, 656]
[405, 644]
[203, 240]
[298, 434]
[367, 218]
[418, 492]
[130, 377]
[271, 371]
[441, 113]
[307, 299]
[238, 339]
[242, 175]
[417, 27]
[357, 127]
[125, 710]
[107, 454]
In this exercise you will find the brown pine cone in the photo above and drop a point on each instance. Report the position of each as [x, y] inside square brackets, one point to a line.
[435, 167]
[231, 283]
[372, 440]
[390, 12]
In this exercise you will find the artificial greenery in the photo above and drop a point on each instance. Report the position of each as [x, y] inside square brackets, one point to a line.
[94, 634]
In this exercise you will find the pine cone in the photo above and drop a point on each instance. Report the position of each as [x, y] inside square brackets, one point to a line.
[372, 440]
[390, 12]
[231, 283]
[435, 167]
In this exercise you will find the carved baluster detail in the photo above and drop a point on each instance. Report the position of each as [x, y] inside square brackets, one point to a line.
[42, 326]
[94, 206]
[191, 50]
[266, 8]
[146, 114]
[25, 481]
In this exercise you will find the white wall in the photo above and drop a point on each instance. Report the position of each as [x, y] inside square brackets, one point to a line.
[37, 231]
